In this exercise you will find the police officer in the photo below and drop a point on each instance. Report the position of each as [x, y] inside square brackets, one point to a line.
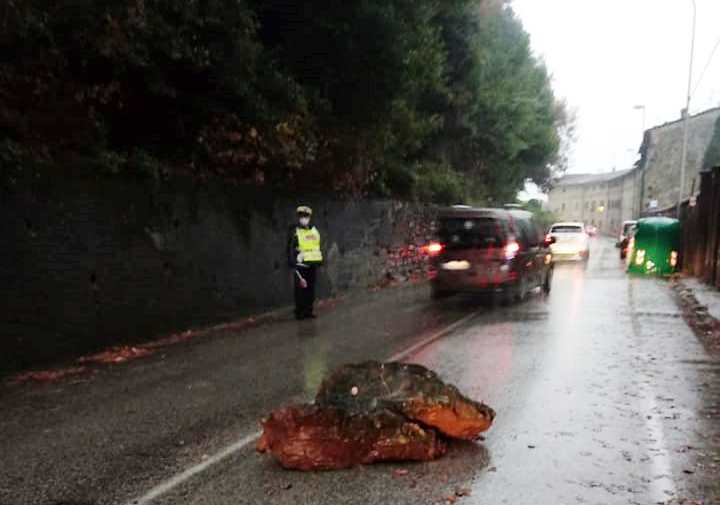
[304, 256]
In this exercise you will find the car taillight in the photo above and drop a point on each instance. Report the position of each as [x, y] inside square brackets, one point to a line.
[511, 249]
[548, 239]
[435, 248]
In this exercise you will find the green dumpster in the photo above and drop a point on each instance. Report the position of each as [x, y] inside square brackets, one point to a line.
[654, 247]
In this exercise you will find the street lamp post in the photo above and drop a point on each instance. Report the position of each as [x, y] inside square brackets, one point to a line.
[686, 119]
[644, 110]
[637, 199]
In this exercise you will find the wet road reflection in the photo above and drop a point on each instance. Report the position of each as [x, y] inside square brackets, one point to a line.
[592, 404]
[603, 396]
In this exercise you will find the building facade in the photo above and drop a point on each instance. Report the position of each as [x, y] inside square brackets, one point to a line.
[661, 153]
[652, 186]
[601, 200]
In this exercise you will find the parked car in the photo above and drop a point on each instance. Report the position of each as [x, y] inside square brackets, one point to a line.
[654, 246]
[570, 241]
[501, 252]
[624, 237]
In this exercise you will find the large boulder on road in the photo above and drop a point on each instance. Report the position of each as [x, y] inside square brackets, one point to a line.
[411, 390]
[373, 412]
[309, 437]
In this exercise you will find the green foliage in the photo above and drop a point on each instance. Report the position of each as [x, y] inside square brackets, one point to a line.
[712, 155]
[504, 114]
[440, 184]
[428, 99]
[544, 217]
[12, 160]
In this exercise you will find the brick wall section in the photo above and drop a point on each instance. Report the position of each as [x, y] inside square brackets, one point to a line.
[87, 264]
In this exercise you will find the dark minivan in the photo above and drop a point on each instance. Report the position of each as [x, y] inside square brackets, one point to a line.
[502, 252]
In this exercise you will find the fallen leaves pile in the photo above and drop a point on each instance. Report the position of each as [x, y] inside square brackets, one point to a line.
[48, 375]
[123, 354]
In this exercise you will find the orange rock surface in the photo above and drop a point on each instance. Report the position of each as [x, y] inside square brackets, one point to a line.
[373, 412]
[407, 389]
[309, 437]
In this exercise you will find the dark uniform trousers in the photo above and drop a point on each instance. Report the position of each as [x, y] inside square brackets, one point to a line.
[305, 297]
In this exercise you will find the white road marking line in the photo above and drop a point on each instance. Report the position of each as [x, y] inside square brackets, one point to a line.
[239, 445]
[663, 485]
[438, 334]
[194, 470]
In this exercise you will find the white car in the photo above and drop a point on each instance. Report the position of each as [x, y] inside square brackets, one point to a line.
[570, 241]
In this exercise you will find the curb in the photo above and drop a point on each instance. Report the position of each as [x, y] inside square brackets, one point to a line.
[696, 315]
[86, 365]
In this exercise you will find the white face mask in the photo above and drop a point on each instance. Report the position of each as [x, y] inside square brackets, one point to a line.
[304, 221]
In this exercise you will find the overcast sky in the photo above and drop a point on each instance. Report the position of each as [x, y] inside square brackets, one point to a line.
[608, 56]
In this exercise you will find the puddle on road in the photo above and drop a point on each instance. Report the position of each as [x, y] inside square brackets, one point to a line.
[397, 483]
[704, 362]
[640, 313]
[521, 316]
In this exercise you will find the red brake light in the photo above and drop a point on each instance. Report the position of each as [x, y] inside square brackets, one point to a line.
[548, 239]
[511, 249]
[435, 248]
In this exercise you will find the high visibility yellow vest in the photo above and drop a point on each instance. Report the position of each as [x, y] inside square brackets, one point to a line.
[309, 244]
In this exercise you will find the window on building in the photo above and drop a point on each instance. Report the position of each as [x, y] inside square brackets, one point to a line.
[592, 206]
[563, 206]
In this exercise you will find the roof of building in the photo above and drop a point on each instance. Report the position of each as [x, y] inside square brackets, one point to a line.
[661, 154]
[659, 128]
[692, 116]
[577, 179]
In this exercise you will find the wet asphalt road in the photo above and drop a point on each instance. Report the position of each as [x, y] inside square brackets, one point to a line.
[603, 396]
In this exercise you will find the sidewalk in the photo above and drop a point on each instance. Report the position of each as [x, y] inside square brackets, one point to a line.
[701, 309]
[706, 295]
